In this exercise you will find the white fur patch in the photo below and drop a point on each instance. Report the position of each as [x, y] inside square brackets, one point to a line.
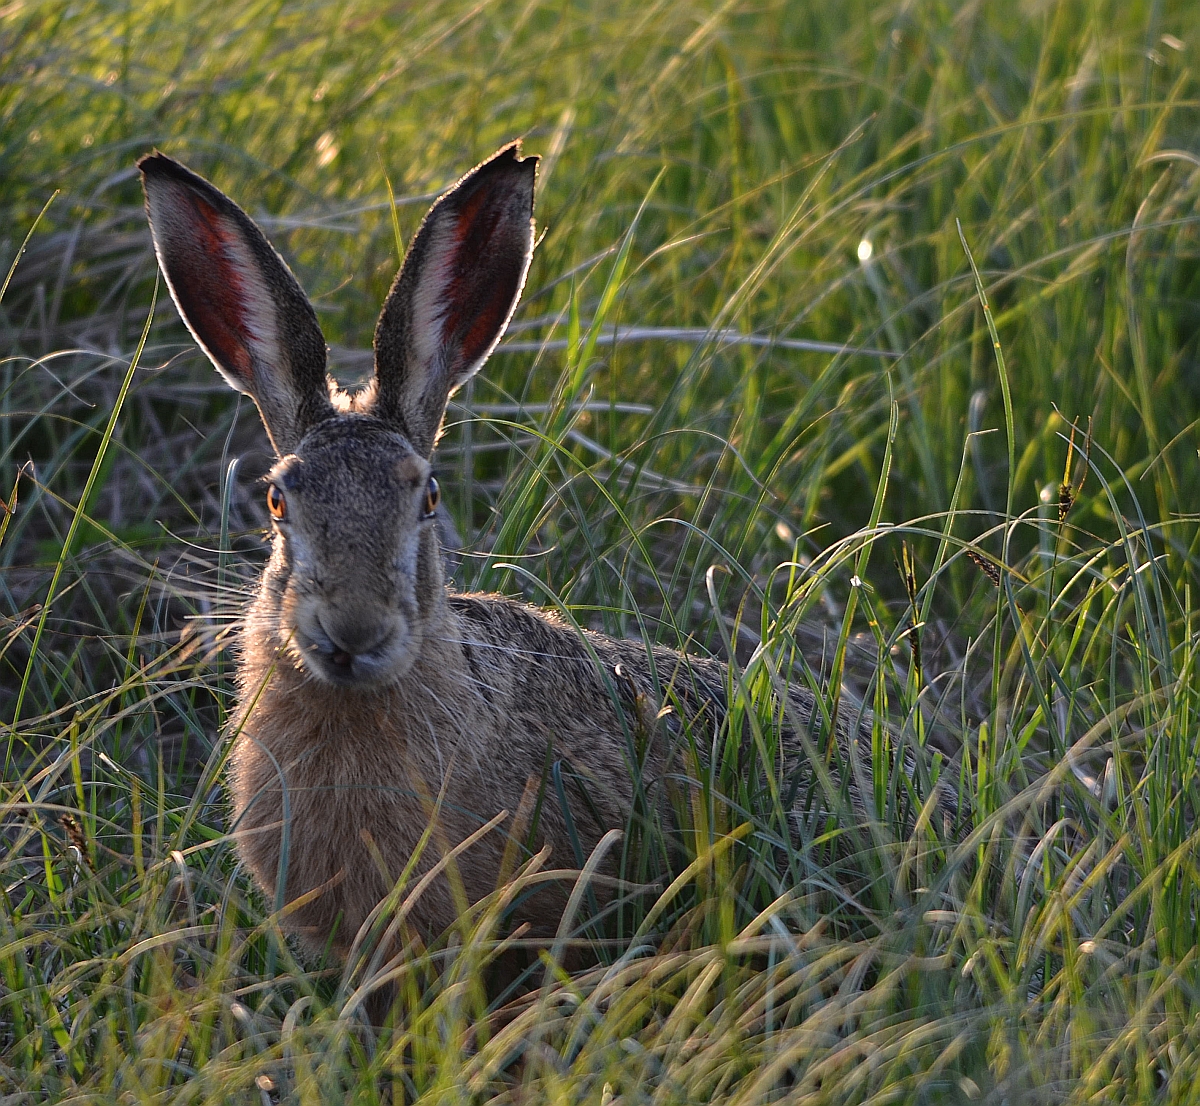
[430, 303]
[259, 306]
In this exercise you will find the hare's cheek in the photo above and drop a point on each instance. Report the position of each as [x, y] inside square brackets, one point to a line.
[428, 576]
[290, 622]
[298, 555]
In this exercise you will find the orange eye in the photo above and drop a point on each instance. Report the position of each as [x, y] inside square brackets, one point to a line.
[276, 503]
[433, 496]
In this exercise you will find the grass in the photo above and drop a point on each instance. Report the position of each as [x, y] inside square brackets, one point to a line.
[860, 348]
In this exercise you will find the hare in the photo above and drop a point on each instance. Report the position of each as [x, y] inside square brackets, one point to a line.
[369, 691]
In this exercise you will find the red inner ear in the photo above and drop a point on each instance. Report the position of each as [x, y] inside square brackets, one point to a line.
[488, 319]
[209, 285]
[489, 258]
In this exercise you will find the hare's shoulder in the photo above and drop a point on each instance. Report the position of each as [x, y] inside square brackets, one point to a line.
[539, 652]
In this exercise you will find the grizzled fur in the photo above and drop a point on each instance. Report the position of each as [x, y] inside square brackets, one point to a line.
[490, 693]
[368, 690]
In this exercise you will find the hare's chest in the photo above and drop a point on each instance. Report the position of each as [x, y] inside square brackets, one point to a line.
[322, 805]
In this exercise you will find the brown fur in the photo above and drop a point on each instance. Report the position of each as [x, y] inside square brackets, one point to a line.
[496, 686]
[368, 691]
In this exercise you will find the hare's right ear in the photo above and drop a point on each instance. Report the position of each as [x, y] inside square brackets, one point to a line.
[454, 294]
[238, 298]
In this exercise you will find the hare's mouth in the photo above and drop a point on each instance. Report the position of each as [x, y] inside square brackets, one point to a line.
[379, 662]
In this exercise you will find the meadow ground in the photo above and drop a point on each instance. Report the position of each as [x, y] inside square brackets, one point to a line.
[860, 348]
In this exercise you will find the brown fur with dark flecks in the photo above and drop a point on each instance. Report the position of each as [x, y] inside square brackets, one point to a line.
[494, 689]
[368, 690]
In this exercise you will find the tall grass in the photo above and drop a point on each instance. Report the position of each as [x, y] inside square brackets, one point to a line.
[860, 349]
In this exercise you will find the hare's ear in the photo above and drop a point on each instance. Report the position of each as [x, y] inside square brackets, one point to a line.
[238, 298]
[455, 293]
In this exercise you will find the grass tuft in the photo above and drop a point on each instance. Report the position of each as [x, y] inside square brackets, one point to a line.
[859, 349]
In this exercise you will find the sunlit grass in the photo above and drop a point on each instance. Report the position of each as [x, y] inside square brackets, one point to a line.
[753, 403]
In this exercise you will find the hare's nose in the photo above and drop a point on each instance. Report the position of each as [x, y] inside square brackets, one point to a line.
[351, 638]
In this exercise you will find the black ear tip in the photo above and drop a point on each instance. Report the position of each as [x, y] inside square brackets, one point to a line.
[156, 164]
[160, 172]
[508, 159]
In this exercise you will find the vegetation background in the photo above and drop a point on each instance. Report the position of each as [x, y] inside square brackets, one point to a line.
[752, 402]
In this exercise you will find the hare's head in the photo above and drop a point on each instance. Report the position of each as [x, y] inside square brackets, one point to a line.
[355, 575]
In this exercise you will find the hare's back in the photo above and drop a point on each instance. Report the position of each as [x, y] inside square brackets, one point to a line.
[586, 692]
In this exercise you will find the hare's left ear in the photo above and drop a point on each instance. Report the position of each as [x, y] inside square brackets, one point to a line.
[454, 294]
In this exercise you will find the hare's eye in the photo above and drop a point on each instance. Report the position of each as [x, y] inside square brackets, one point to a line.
[433, 496]
[276, 504]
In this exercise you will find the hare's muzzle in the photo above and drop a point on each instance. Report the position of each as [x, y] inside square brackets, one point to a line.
[359, 643]
[370, 647]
